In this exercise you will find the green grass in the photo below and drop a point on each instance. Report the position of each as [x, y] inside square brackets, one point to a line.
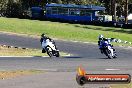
[122, 85]
[63, 30]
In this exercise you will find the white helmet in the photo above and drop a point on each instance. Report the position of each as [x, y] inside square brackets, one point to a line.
[101, 37]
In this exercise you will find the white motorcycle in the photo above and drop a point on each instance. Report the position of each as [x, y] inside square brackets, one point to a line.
[50, 48]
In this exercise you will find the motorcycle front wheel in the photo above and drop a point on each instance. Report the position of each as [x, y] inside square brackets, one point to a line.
[108, 52]
[49, 51]
[57, 54]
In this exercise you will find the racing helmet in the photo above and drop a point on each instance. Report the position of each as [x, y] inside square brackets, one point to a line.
[101, 37]
[43, 35]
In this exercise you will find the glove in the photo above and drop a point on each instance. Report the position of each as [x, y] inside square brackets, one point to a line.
[53, 41]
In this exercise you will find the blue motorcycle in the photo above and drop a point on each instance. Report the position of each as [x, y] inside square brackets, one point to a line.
[108, 50]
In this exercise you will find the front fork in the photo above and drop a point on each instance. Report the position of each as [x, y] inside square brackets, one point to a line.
[111, 49]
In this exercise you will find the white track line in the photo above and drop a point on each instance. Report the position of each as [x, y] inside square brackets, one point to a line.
[112, 69]
[53, 70]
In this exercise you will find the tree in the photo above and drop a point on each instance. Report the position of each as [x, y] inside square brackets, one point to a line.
[3, 7]
[14, 8]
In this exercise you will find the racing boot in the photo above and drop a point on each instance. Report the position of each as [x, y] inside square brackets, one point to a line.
[43, 50]
[101, 50]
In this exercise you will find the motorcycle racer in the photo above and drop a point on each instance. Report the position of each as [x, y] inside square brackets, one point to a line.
[44, 38]
[102, 40]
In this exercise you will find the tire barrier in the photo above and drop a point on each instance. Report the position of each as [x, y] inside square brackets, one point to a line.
[8, 46]
[121, 41]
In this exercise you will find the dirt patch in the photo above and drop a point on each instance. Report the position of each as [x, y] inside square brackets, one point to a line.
[12, 74]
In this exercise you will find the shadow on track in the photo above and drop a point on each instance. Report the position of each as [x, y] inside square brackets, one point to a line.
[72, 57]
[104, 58]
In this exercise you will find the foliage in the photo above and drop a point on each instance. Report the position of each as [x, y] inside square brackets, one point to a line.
[15, 8]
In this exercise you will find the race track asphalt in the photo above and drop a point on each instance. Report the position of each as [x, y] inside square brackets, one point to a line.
[61, 72]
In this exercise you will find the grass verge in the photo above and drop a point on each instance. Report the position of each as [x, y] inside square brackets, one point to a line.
[63, 30]
[122, 86]
[17, 73]
[4, 51]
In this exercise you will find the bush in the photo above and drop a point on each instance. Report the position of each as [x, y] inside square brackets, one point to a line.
[13, 10]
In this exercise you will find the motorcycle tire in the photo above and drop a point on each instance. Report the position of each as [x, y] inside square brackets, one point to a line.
[57, 54]
[115, 56]
[49, 52]
[109, 54]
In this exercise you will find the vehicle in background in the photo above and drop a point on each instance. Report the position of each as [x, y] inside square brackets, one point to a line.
[37, 13]
[107, 18]
[130, 18]
[72, 12]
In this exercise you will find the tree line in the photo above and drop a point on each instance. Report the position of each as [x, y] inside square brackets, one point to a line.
[16, 8]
